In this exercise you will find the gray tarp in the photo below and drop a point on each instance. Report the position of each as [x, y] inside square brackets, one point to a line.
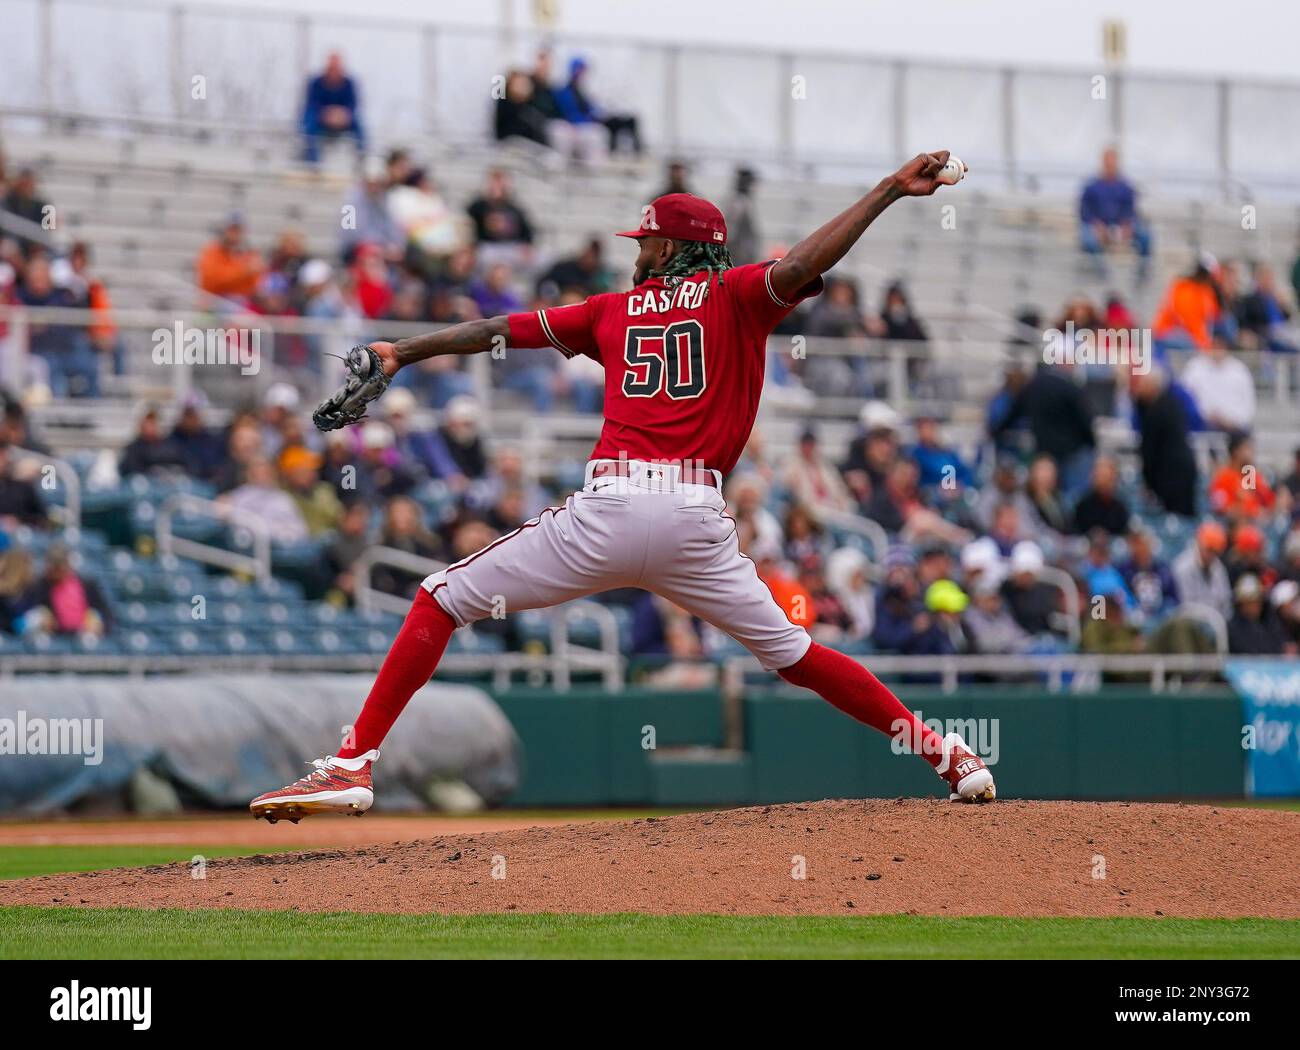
[223, 739]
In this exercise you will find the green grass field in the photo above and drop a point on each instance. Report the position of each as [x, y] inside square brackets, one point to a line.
[89, 933]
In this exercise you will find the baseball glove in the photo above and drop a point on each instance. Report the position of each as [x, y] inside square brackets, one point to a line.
[365, 382]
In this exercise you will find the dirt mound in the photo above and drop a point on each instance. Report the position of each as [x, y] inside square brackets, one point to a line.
[1010, 858]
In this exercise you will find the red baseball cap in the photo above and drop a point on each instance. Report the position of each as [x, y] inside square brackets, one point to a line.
[682, 217]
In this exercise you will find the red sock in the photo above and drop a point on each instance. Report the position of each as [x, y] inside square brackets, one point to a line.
[408, 666]
[857, 692]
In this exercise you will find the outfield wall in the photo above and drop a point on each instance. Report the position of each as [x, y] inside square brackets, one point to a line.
[589, 748]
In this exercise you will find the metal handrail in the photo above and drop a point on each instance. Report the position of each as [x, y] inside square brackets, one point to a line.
[872, 531]
[1054, 666]
[66, 473]
[562, 649]
[257, 564]
[1208, 615]
[1064, 582]
[365, 594]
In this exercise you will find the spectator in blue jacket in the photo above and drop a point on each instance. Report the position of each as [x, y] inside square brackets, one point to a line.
[1149, 580]
[939, 464]
[576, 106]
[332, 109]
[1108, 215]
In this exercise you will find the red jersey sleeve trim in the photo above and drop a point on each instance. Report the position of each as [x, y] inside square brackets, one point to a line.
[551, 337]
[812, 288]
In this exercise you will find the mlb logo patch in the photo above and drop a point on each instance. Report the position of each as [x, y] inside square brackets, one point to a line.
[717, 235]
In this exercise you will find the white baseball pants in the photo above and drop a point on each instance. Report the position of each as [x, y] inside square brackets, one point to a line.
[644, 530]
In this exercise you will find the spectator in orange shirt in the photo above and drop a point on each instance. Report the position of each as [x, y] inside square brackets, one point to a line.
[1192, 313]
[228, 267]
[795, 600]
[1239, 490]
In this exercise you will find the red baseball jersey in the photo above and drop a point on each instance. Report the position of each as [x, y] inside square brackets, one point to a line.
[683, 360]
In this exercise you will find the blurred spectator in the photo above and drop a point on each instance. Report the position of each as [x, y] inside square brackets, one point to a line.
[934, 563]
[151, 451]
[15, 580]
[228, 267]
[905, 622]
[92, 294]
[1247, 556]
[938, 464]
[331, 109]
[1110, 634]
[381, 472]
[1262, 315]
[63, 602]
[1099, 573]
[744, 239]
[15, 431]
[813, 480]
[494, 293]
[1222, 387]
[846, 576]
[677, 178]
[830, 620]
[349, 543]
[22, 199]
[660, 628]
[370, 281]
[1239, 488]
[261, 496]
[1289, 566]
[897, 321]
[788, 592]
[279, 405]
[1108, 215]
[804, 536]
[585, 272]
[459, 456]
[366, 216]
[1285, 600]
[1101, 506]
[1291, 483]
[1006, 433]
[1168, 464]
[432, 230]
[243, 445]
[1060, 421]
[71, 365]
[507, 474]
[1008, 528]
[747, 502]
[1032, 603]
[873, 451]
[404, 530]
[200, 449]
[1004, 487]
[516, 115]
[1047, 511]
[578, 108]
[1149, 580]
[988, 623]
[1191, 315]
[1199, 571]
[316, 500]
[20, 501]
[498, 218]
[1252, 629]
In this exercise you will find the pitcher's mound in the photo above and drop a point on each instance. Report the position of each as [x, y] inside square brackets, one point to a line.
[822, 858]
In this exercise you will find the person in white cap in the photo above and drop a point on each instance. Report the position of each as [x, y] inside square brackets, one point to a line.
[1285, 598]
[1032, 603]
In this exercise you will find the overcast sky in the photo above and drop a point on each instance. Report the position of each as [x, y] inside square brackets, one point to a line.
[1256, 38]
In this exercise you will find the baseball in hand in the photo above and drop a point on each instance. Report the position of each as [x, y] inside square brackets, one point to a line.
[952, 172]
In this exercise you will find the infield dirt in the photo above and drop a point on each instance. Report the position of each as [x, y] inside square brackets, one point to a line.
[870, 856]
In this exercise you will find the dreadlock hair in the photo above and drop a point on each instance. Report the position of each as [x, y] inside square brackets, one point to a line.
[691, 258]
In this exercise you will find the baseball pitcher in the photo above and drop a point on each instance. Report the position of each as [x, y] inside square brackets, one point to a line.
[683, 354]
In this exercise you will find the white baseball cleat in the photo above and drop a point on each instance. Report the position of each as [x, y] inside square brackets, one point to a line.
[969, 779]
[335, 785]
